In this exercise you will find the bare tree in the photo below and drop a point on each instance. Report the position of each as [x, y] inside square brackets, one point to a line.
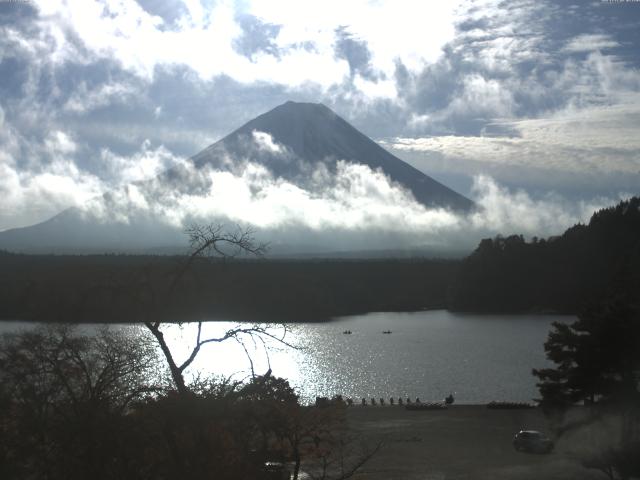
[64, 396]
[206, 242]
[111, 367]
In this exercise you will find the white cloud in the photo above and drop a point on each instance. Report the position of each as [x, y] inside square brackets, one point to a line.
[355, 198]
[126, 32]
[60, 142]
[84, 99]
[579, 143]
[203, 39]
[505, 211]
[482, 97]
[264, 141]
[41, 177]
[354, 208]
[357, 208]
[413, 32]
[375, 89]
[32, 197]
[501, 72]
[590, 43]
[145, 164]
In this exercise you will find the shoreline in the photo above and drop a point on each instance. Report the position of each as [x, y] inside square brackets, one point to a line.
[285, 320]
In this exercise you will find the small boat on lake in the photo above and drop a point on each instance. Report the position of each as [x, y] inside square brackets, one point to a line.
[386, 331]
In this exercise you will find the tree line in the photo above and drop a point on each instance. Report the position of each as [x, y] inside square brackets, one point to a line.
[559, 274]
[591, 389]
[120, 288]
[503, 274]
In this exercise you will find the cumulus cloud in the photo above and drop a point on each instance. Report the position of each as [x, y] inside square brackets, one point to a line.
[532, 93]
[351, 208]
[40, 177]
[33, 195]
[354, 207]
[357, 209]
[264, 141]
[521, 60]
[145, 164]
[355, 52]
[141, 41]
[502, 210]
[414, 35]
[286, 42]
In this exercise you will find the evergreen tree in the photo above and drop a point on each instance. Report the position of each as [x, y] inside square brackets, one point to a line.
[597, 357]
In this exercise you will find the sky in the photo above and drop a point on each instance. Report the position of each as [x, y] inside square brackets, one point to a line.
[524, 106]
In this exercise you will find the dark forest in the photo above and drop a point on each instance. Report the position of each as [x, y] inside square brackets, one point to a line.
[504, 274]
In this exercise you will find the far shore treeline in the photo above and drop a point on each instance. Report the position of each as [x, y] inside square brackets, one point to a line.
[122, 288]
[566, 273]
[504, 274]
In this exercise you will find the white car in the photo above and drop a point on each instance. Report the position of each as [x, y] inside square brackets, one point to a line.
[532, 441]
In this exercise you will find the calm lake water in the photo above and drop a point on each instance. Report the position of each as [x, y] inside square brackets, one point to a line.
[428, 355]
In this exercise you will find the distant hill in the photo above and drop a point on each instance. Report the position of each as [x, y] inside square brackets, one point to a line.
[298, 139]
[563, 274]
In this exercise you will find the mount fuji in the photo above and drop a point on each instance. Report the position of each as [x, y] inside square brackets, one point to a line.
[296, 143]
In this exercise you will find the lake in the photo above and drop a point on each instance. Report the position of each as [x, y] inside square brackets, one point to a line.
[428, 354]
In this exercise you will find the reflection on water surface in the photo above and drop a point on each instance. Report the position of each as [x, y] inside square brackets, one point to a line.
[427, 354]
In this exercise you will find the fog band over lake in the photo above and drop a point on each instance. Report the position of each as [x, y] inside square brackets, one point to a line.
[478, 358]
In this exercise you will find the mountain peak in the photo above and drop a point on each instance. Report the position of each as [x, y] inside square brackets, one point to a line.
[316, 134]
[293, 102]
[302, 105]
[292, 112]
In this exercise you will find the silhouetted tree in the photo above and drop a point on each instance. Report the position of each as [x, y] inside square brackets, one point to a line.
[597, 357]
[64, 396]
[205, 241]
[562, 273]
[598, 362]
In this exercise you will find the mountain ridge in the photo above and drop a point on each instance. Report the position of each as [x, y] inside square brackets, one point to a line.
[303, 136]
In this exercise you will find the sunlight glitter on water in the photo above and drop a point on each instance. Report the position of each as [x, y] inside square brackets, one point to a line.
[428, 355]
[236, 357]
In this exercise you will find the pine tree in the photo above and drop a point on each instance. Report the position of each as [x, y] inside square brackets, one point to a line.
[597, 357]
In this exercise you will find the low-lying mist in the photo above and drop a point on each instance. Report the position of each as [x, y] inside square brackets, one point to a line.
[353, 208]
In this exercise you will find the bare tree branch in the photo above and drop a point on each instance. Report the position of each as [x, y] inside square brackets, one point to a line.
[244, 347]
[210, 241]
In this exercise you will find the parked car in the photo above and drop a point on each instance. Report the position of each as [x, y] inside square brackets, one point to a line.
[282, 471]
[532, 441]
[276, 471]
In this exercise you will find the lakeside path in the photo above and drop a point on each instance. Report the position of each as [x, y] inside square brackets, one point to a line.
[462, 442]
